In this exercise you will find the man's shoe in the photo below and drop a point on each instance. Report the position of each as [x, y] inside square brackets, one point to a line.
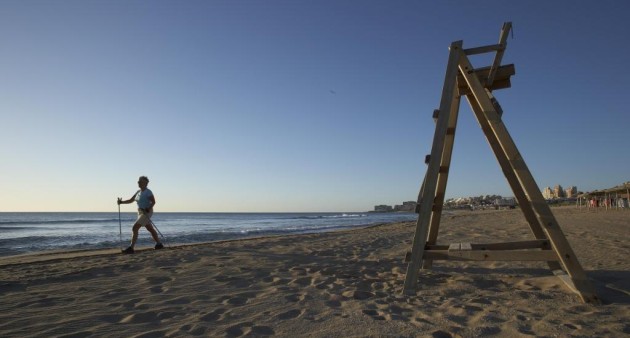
[159, 246]
[129, 250]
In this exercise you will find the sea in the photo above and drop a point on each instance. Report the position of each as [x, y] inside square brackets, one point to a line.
[32, 232]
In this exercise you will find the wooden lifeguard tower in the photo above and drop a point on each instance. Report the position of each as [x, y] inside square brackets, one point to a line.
[550, 244]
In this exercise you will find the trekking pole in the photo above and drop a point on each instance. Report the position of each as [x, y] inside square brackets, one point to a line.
[159, 232]
[120, 225]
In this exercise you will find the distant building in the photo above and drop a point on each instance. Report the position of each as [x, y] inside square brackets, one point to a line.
[509, 202]
[383, 208]
[571, 192]
[409, 206]
[558, 192]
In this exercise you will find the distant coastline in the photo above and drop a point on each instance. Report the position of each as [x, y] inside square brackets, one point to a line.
[620, 194]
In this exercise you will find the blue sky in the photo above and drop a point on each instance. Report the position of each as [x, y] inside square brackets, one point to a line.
[295, 105]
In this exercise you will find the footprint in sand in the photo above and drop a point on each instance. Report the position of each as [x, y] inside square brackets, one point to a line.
[297, 297]
[158, 279]
[491, 318]
[131, 303]
[78, 334]
[335, 301]
[262, 331]
[261, 274]
[573, 326]
[236, 301]
[399, 311]
[441, 334]
[240, 283]
[526, 329]
[298, 271]
[374, 314]
[196, 331]
[330, 284]
[167, 315]
[234, 332]
[461, 320]
[158, 289]
[143, 317]
[240, 299]
[358, 294]
[485, 331]
[221, 278]
[304, 281]
[248, 329]
[269, 279]
[213, 316]
[483, 301]
[328, 271]
[110, 318]
[290, 314]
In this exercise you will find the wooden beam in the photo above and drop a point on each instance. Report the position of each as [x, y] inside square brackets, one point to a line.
[520, 245]
[566, 279]
[502, 73]
[430, 183]
[496, 85]
[505, 31]
[454, 247]
[501, 80]
[517, 245]
[445, 165]
[483, 49]
[491, 255]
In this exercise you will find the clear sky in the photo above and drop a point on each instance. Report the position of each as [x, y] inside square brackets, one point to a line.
[295, 105]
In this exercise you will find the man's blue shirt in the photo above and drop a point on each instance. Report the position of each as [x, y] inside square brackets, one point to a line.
[142, 198]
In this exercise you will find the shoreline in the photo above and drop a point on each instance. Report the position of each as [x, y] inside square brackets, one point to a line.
[337, 283]
[31, 233]
[60, 254]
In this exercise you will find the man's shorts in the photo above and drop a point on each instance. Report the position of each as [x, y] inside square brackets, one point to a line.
[144, 218]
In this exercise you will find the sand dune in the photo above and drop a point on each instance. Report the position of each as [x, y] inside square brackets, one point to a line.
[339, 284]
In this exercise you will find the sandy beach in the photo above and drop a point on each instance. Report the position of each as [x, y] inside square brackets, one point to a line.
[337, 284]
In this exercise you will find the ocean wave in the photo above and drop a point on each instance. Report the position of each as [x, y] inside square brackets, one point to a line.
[7, 224]
[22, 241]
[329, 216]
[346, 216]
[14, 228]
[308, 217]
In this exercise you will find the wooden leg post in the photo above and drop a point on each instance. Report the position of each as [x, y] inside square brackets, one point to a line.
[429, 188]
[560, 245]
[445, 164]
